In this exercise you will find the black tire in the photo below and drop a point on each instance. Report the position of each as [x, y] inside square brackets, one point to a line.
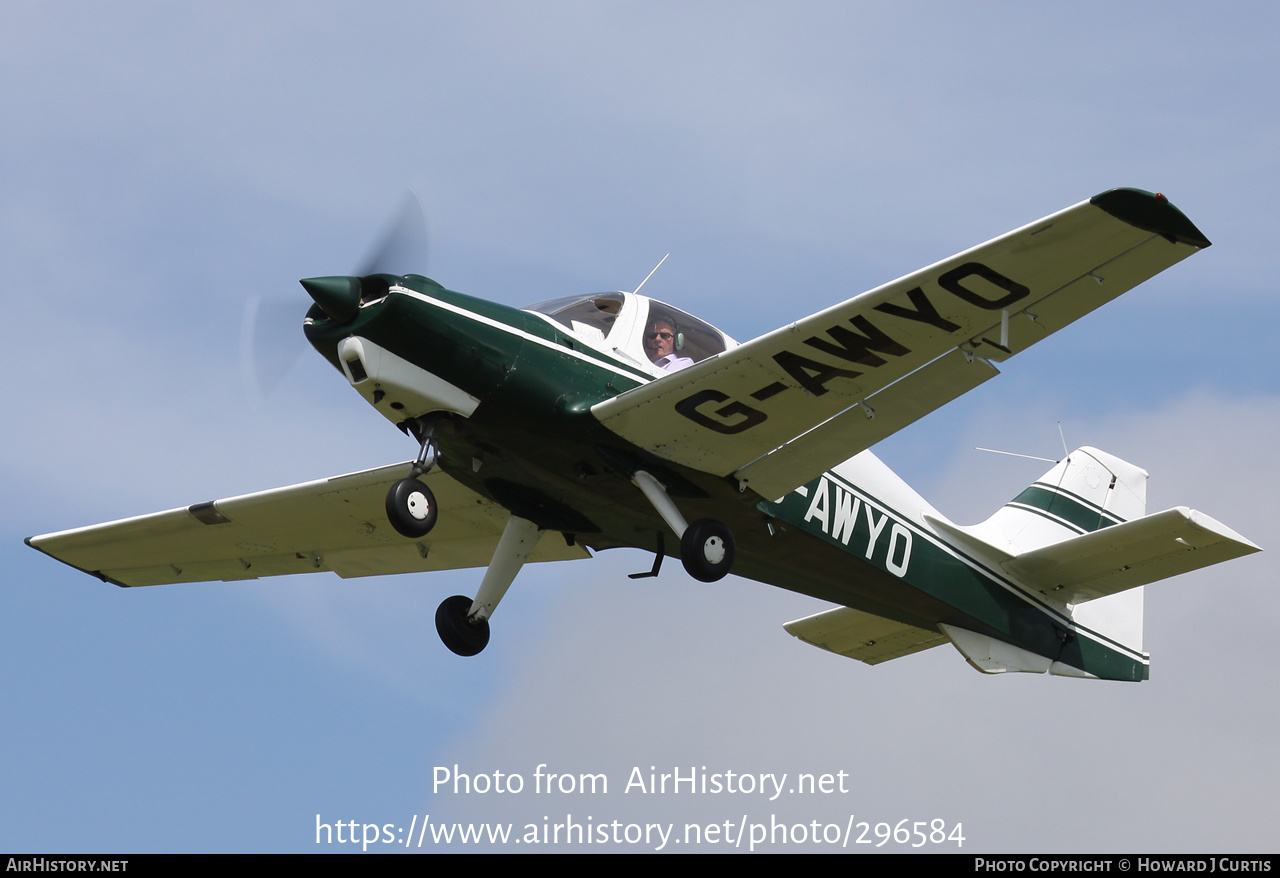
[707, 550]
[460, 635]
[411, 508]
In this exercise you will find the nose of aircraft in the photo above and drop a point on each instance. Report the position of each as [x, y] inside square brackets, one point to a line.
[337, 296]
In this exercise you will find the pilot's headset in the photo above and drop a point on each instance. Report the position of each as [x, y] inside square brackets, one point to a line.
[675, 329]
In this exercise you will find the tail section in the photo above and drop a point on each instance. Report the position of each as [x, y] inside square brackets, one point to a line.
[1052, 582]
[1079, 539]
[1088, 491]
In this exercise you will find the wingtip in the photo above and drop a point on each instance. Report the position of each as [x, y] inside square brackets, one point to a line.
[1152, 212]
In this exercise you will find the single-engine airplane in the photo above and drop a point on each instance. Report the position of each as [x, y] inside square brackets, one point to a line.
[547, 431]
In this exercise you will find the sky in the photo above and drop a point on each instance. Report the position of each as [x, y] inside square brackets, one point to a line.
[166, 164]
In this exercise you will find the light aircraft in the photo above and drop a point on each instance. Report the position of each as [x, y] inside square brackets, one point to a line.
[547, 431]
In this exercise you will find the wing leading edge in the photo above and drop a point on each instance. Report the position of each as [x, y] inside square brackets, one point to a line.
[777, 410]
[336, 524]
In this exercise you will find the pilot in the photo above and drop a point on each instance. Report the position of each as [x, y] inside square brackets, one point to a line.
[660, 341]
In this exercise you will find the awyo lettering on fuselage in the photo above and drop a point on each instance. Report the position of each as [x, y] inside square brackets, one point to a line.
[841, 513]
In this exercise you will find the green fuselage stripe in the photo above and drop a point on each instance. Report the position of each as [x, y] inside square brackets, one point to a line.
[948, 574]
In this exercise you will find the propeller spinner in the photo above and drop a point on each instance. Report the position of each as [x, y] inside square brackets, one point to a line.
[269, 341]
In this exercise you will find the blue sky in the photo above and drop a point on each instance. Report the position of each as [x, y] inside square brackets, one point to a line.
[168, 162]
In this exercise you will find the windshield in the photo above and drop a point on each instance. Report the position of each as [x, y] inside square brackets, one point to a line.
[620, 322]
[597, 311]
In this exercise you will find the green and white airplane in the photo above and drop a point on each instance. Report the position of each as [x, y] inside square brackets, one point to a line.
[549, 431]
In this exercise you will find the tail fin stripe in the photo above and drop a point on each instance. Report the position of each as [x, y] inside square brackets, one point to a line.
[1070, 509]
[1054, 518]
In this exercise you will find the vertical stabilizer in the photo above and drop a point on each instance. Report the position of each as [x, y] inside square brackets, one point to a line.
[1087, 491]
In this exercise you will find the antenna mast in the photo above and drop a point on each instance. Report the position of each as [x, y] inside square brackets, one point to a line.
[650, 274]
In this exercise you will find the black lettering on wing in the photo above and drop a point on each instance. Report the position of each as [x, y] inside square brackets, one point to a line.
[729, 419]
[924, 311]
[811, 374]
[857, 347]
[951, 283]
[768, 391]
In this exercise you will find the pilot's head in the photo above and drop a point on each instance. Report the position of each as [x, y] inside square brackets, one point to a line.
[659, 339]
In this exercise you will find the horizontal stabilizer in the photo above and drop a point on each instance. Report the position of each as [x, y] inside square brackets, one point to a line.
[862, 636]
[1127, 555]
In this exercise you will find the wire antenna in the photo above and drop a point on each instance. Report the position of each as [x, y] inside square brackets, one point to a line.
[1015, 454]
[1065, 452]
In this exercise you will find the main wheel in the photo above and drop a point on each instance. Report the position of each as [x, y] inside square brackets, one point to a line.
[461, 635]
[411, 508]
[707, 550]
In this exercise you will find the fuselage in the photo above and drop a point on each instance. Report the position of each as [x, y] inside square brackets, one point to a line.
[509, 393]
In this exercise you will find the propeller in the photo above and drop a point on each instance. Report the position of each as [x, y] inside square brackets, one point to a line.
[270, 343]
[402, 246]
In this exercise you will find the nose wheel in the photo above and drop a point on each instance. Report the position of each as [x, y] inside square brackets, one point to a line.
[411, 507]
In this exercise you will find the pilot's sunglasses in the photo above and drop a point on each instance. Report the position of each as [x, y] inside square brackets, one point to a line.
[662, 335]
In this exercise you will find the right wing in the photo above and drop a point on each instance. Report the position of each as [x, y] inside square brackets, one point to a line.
[780, 409]
[336, 524]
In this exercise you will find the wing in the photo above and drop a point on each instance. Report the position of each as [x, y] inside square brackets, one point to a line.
[777, 410]
[336, 524]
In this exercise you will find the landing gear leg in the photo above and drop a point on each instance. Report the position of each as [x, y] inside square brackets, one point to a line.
[411, 507]
[463, 623]
[706, 547]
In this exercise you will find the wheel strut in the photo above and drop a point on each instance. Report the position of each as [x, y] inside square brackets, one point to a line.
[707, 548]
[427, 453]
[463, 623]
[411, 506]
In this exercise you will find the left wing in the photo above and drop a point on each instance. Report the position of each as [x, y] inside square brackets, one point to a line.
[799, 400]
[863, 636]
[337, 524]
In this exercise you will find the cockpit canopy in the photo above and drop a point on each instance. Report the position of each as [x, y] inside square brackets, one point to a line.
[616, 322]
